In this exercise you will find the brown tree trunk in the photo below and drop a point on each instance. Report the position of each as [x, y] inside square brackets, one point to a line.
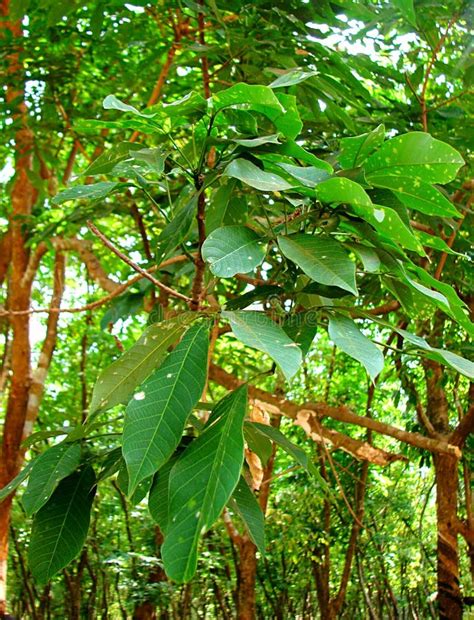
[22, 198]
[449, 593]
[246, 580]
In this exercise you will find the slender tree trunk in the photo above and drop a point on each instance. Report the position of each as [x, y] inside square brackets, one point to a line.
[449, 593]
[22, 198]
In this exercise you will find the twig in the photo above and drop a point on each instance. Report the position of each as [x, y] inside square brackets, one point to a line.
[95, 231]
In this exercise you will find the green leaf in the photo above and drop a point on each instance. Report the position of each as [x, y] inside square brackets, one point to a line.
[407, 9]
[112, 103]
[48, 470]
[244, 502]
[387, 222]
[258, 443]
[252, 175]
[322, 259]
[308, 176]
[252, 143]
[106, 162]
[60, 527]
[158, 500]
[298, 454]
[233, 249]
[354, 151]
[341, 189]
[17, 480]
[256, 330]
[264, 291]
[118, 381]
[417, 155]
[301, 328]
[201, 483]
[88, 192]
[346, 335]
[154, 158]
[248, 94]
[416, 194]
[174, 233]
[292, 77]
[156, 415]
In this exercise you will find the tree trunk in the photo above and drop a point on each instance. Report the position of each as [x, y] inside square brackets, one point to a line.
[246, 580]
[449, 593]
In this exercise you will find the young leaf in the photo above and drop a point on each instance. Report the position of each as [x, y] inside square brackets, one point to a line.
[292, 77]
[346, 335]
[117, 383]
[48, 470]
[355, 150]
[256, 330]
[418, 155]
[60, 527]
[243, 501]
[322, 259]
[89, 192]
[156, 415]
[252, 175]
[232, 249]
[201, 483]
[112, 103]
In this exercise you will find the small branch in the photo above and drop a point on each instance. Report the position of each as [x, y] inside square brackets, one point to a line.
[434, 56]
[204, 60]
[95, 231]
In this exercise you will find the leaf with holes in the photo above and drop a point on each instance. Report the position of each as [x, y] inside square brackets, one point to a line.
[60, 526]
[201, 483]
[233, 249]
[256, 330]
[156, 415]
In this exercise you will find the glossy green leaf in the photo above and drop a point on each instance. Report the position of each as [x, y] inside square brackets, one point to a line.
[48, 470]
[416, 194]
[346, 336]
[111, 102]
[198, 494]
[417, 155]
[323, 259]
[106, 162]
[309, 176]
[244, 502]
[156, 415]
[252, 143]
[387, 222]
[301, 328]
[175, 231]
[355, 150]
[256, 330]
[252, 175]
[87, 192]
[246, 94]
[340, 189]
[118, 381]
[292, 77]
[60, 526]
[158, 499]
[233, 249]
